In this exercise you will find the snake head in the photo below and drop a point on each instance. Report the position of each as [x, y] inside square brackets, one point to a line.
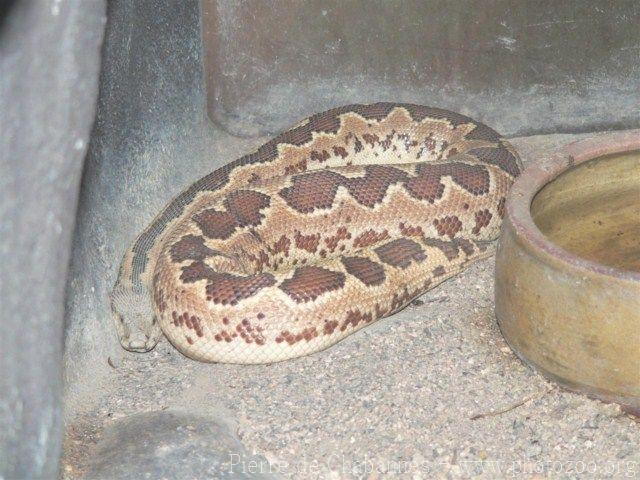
[133, 315]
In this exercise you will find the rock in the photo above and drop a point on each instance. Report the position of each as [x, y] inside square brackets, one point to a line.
[173, 445]
[49, 62]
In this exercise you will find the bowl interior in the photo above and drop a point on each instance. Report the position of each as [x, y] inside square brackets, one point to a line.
[593, 210]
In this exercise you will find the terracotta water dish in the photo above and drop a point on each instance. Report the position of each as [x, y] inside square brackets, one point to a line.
[568, 267]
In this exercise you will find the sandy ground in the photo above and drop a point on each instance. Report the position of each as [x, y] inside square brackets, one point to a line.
[431, 392]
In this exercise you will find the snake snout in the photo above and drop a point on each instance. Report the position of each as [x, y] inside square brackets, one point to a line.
[138, 342]
[136, 324]
[140, 336]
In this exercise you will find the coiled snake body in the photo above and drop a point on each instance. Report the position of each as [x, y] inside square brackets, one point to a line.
[338, 222]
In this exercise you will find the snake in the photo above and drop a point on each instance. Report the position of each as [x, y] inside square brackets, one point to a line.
[329, 226]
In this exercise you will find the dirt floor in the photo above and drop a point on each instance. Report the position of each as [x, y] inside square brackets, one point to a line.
[431, 392]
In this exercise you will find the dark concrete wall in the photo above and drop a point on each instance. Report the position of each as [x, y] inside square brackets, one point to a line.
[523, 67]
[49, 61]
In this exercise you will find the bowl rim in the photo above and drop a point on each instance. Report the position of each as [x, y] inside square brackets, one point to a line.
[541, 171]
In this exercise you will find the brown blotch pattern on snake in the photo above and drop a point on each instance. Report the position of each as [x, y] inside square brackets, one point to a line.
[400, 253]
[368, 272]
[309, 282]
